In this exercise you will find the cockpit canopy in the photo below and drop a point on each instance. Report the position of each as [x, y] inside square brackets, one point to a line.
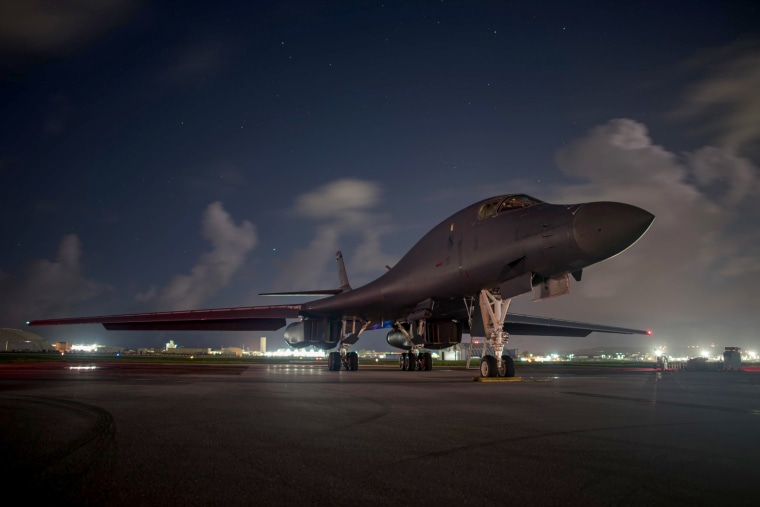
[503, 203]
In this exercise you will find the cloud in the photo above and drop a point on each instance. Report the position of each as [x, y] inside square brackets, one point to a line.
[697, 268]
[343, 200]
[47, 288]
[725, 98]
[214, 270]
[34, 30]
[344, 208]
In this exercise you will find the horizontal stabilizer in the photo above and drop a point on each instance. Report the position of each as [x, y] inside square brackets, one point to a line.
[327, 292]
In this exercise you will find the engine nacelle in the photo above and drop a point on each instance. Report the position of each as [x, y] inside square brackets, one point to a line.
[438, 335]
[322, 334]
[398, 340]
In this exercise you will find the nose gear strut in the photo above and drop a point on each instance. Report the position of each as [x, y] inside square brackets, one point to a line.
[493, 309]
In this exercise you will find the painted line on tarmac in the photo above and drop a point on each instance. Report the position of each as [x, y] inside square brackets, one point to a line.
[509, 379]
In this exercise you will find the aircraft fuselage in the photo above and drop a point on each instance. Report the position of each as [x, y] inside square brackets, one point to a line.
[472, 250]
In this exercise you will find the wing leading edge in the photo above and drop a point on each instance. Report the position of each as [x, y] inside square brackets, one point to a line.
[254, 318]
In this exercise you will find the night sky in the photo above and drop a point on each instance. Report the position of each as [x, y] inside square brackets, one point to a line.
[180, 155]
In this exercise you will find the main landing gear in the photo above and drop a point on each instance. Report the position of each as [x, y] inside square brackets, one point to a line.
[349, 361]
[343, 358]
[494, 310]
[415, 361]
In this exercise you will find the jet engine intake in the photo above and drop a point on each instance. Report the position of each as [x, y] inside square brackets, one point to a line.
[438, 335]
[323, 334]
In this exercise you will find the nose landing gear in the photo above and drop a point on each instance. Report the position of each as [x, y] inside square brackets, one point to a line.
[494, 311]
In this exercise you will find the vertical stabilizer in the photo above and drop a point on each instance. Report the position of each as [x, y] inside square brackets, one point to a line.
[342, 276]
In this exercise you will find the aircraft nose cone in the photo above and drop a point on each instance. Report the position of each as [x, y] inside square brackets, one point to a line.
[604, 229]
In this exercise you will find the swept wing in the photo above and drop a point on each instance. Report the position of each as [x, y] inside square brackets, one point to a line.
[253, 318]
[517, 324]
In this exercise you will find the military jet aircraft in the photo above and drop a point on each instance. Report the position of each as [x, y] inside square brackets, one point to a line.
[487, 253]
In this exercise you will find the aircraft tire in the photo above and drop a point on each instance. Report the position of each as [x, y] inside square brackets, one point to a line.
[428, 361]
[329, 361]
[411, 362]
[507, 367]
[353, 361]
[488, 367]
[333, 361]
[402, 361]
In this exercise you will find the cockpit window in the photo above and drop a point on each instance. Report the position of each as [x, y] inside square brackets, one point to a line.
[489, 208]
[517, 201]
[505, 203]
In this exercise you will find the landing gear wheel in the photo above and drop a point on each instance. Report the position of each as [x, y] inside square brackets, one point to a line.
[353, 361]
[411, 362]
[507, 367]
[488, 367]
[427, 362]
[402, 361]
[333, 361]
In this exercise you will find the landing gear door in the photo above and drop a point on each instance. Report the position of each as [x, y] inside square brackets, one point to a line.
[551, 287]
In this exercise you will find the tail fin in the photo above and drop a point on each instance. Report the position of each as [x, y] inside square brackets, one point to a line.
[342, 276]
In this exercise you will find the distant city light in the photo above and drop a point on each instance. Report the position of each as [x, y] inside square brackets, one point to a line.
[85, 348]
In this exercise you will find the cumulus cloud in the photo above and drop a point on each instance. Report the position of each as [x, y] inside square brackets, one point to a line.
[231, 245]
[725, 99]
[47, 288]
[697, 268]
[34, 30]
[343, 208]
[344, 200]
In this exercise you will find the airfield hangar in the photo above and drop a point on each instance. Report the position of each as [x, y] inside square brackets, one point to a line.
[16, 340]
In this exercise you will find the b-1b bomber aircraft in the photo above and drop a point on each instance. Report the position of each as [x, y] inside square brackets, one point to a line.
[459, 278]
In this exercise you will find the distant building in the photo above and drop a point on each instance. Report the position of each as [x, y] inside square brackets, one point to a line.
[732, 359]
[188, 351]
[63, 347]
[232, 351]
[263, 344]
[109, 350]
[16, 340]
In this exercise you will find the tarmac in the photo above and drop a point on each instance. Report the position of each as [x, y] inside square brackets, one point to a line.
[123, 433]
